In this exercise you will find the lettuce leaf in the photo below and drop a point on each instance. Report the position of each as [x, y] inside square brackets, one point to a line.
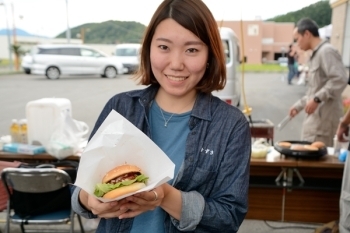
[102, 188]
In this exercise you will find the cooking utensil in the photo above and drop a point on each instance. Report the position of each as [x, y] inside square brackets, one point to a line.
[301, 154]
[284, 122]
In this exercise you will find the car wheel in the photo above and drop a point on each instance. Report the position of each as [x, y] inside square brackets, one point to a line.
[27, 71]
[110, 72]
[103, 76]
[52, 72]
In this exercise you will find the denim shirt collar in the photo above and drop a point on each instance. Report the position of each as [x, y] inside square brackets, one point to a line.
[201, 109]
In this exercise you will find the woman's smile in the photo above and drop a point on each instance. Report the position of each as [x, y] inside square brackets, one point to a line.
[176, 78]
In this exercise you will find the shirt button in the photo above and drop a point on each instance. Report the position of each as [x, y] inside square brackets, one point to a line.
[194, 133]
[190, 159]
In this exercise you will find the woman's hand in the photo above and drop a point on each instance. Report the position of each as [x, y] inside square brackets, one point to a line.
[141, 202]
[107, 209]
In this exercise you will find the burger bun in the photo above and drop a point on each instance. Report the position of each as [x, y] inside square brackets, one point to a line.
[285, 144]
[120, 170]
[124, 190]
[318, 144]
[298, 147]
[311, 148]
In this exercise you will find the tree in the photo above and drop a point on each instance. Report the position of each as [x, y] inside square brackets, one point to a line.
[17, 50]
[320, 12]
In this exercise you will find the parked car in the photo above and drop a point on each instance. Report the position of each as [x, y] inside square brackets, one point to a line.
[67, 59]
[26, 63]
[129, 55]
[231, 93]
[283, 61]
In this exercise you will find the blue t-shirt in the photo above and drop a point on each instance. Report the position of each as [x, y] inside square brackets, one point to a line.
[172, 140]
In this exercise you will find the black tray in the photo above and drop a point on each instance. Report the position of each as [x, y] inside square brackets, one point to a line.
[301, 154]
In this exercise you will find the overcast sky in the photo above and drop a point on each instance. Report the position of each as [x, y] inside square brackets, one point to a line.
[49, 17]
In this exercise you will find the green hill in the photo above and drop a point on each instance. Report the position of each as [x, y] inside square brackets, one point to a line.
[320, 12]
[109, 32]
[114, 32]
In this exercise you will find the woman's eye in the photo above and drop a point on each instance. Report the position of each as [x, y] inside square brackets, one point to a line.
[163, 47]
[192, 50]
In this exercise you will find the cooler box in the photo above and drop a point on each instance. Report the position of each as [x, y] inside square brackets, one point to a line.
[41, 115]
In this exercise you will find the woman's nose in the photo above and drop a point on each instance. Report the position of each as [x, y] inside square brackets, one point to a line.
[176, 62]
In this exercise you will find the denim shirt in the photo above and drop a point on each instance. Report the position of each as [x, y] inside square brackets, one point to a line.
[214, 177]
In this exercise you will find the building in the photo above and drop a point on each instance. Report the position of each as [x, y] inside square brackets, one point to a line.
[27, 42]
[263, 41]
[340, 38]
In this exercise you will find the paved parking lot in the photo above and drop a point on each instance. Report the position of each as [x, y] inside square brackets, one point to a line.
[266, 93]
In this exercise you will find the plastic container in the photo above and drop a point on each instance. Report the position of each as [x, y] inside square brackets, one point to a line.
[336, 146]
[23, 133]
[14, 131]
[42, 116]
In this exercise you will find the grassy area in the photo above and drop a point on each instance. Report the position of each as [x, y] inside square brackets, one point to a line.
[263, 68]
[4, 62]
[5, 68]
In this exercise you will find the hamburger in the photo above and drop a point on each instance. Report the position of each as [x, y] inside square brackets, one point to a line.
[119, 181]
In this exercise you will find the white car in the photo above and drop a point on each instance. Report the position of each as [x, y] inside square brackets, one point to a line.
[129, 55]
[283, 61]
[67, 59]
[27, 63]
[231, 94]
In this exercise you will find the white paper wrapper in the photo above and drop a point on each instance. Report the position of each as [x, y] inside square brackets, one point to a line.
[119, 142]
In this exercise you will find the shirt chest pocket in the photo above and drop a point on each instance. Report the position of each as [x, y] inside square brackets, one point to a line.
[313, 73]
[203, 180]
[314, 68]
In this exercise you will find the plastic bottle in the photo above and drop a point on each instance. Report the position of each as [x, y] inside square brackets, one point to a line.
[14, 131]
[23, 131]
[336, 146]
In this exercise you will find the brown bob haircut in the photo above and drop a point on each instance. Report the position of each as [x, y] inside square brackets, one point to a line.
[195, 16]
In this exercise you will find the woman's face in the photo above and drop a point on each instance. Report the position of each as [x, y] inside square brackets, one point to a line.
[178, 58]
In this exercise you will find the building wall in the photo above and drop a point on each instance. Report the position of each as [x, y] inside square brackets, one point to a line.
[262, 40]
[338, 22]
[340, 38]
[251, 37]
[346, 41]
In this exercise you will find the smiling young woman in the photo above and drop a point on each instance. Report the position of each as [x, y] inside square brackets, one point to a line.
[208, 140]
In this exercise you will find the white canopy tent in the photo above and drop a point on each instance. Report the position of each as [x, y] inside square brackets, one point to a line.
[325, 32]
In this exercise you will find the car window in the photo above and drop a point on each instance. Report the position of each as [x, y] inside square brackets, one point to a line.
[34, 50]
[49, 51]
[124, 52]
[226, 50]
[90, 53]
[70, 51]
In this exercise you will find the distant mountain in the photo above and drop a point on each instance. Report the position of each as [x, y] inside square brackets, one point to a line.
[19, 32]
[320, 12]
[109, 32]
